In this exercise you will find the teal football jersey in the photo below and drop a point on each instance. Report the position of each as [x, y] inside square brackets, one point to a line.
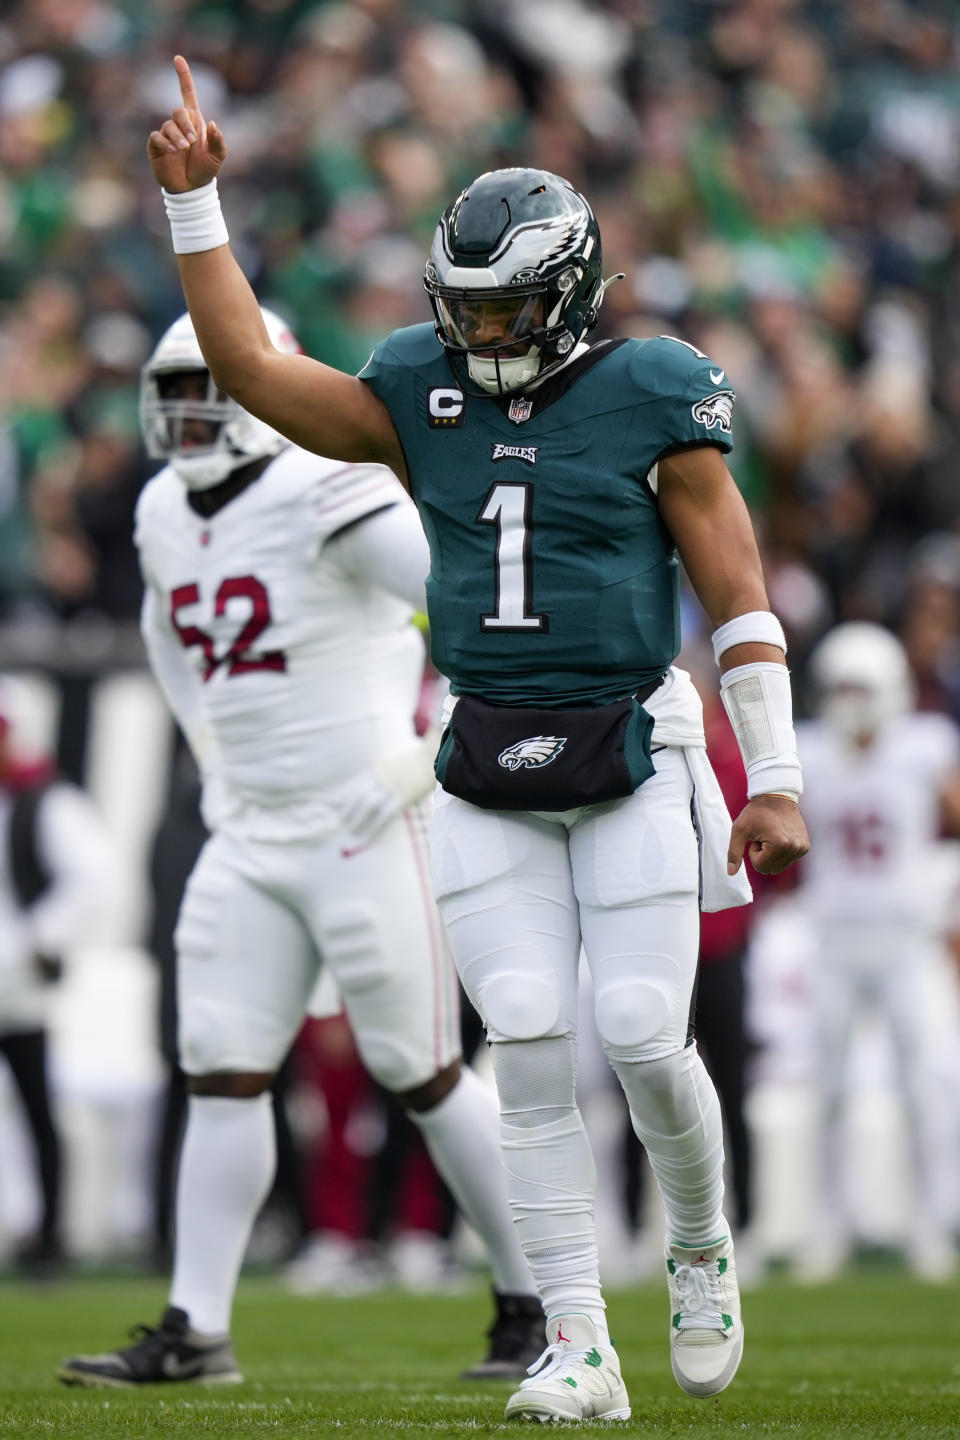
[552, 579]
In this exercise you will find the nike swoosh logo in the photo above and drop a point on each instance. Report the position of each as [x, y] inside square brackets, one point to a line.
[176, 1369]
[716, 376]
[349, 854]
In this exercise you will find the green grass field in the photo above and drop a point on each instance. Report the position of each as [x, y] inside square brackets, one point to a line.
[876, 1356]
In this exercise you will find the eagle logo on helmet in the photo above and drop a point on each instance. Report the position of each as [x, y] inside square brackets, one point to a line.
[532, 753]
[714, 410]
[536, 243]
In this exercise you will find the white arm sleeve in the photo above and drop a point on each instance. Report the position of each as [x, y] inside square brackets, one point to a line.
[177, 679]
[78, 853]
[389, 550]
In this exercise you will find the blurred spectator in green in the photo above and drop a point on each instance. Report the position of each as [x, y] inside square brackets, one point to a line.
[778, 179]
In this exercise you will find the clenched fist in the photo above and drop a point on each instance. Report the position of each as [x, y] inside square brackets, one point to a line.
[770, 829]
[187, 151]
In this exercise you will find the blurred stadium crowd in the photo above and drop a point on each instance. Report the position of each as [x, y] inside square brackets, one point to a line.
[778, 179]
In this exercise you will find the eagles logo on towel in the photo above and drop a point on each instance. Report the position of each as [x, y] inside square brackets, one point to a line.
[531, 753]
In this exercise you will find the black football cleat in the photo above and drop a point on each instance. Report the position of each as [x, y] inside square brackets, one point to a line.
[171, 1352]
[517, 1337]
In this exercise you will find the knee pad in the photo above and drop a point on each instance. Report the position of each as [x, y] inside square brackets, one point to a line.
[631, 1015]
[214, 1036]
[518, 1006]
[645, 1015]
[394, 1064]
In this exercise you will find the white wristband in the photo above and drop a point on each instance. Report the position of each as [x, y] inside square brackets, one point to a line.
[760, 627]
[757, 699]
[196, 220]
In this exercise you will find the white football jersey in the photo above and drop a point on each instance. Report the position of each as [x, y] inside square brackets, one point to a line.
[874, 820]
[287, 677]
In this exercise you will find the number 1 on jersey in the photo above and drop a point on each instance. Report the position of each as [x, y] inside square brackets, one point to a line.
[509, 507]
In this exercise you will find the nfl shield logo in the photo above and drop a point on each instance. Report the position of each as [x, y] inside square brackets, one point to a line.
[520, 410]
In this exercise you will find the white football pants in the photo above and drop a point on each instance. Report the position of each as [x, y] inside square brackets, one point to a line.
[517, 893]
[260, 918]
[866, 969]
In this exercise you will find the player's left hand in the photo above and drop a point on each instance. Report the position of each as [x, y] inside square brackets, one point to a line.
[366, 806]
[770, 829]
[187, 151]
[397, 778]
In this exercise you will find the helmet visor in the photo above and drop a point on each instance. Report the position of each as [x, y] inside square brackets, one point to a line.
[499, 322]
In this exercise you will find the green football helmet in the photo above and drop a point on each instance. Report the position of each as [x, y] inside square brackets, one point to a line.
[514, 278]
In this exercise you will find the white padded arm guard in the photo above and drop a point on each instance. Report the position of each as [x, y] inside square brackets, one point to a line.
[758, 701]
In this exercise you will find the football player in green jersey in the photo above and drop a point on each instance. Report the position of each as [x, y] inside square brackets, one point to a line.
[560, 485]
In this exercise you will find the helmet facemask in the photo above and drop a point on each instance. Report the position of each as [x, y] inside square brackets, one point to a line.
[855, 711]
[193, 435]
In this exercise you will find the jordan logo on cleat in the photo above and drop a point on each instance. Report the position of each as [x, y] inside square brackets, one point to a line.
[561, 1336]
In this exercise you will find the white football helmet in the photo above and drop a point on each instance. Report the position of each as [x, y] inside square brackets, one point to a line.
[237, 436]
[862, 678]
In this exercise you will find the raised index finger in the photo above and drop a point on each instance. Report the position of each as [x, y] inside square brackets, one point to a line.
[187, 88]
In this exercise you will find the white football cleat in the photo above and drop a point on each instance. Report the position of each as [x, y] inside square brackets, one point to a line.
[329, 1263]
[580, 1380]
[932, 1255]
[706, 1334]
[421, 1261]
[825, 1256]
